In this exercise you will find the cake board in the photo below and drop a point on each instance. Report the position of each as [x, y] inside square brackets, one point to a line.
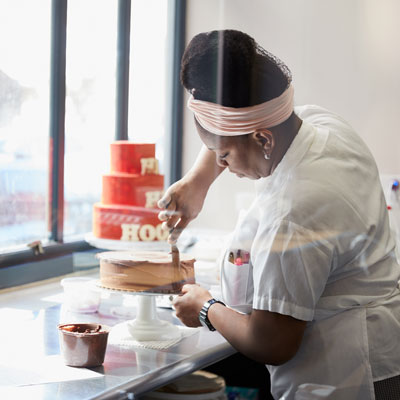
[112, 244]
[147, 326]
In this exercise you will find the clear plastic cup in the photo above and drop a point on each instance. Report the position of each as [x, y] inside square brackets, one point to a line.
[81, 294]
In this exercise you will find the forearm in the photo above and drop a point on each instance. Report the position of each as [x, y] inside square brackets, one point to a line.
[234, 327]
[264, 336]
[184, 199]
[273, 342]
[205, 169]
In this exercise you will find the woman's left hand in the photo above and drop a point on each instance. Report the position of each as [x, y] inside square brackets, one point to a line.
[189, 304]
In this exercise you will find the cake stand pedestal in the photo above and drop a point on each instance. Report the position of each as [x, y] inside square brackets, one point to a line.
[147, 325]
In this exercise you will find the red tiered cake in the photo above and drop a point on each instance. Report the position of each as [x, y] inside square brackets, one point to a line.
[128, 208]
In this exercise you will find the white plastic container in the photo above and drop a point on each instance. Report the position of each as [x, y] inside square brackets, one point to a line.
[81, 295]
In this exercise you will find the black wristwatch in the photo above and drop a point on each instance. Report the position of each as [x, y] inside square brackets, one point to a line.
[203, 315]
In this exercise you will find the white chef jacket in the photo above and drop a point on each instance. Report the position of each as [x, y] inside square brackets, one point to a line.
[320, 250]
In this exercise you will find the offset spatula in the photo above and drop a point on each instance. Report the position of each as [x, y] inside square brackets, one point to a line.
[177, 285]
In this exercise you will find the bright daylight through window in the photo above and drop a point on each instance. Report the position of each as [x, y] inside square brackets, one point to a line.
[91, 57]
[24, 120]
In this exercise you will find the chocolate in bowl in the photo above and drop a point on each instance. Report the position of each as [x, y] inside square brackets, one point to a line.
[83, 345]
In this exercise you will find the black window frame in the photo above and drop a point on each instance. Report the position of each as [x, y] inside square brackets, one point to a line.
[25, 266]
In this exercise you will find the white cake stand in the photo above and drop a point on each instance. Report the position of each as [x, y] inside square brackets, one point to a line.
[147, 325]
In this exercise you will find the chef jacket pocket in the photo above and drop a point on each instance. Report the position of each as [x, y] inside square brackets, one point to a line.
[236, 284]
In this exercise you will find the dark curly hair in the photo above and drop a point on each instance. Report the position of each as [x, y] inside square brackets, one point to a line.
[228, 67]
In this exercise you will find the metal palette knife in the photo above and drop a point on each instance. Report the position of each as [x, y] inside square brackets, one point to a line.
[177, 284]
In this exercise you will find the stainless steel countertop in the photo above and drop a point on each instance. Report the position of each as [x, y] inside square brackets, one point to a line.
[126, 373]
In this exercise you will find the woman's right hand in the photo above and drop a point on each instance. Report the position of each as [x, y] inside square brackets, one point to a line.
[184, 199]
[181, 203]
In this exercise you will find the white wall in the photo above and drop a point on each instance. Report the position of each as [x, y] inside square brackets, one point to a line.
[344, 55]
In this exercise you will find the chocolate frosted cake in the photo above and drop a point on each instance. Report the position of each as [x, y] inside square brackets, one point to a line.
[144, 271]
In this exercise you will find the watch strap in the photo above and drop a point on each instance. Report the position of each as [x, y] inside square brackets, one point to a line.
[203, 315]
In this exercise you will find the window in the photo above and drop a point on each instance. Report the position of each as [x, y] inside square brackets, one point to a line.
[148, 72]
[24, 126]
[38, 118]
[90, 107]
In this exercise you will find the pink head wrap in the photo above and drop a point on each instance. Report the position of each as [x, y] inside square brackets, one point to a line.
[231, 121]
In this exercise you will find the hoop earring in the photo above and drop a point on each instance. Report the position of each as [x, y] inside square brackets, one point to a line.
[267, 156]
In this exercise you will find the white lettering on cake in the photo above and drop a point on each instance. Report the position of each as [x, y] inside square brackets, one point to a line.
[152, 198]
[130, 232]
[149, 166]
[145, 233]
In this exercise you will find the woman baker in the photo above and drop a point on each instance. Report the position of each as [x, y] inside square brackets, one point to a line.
[309, 279]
